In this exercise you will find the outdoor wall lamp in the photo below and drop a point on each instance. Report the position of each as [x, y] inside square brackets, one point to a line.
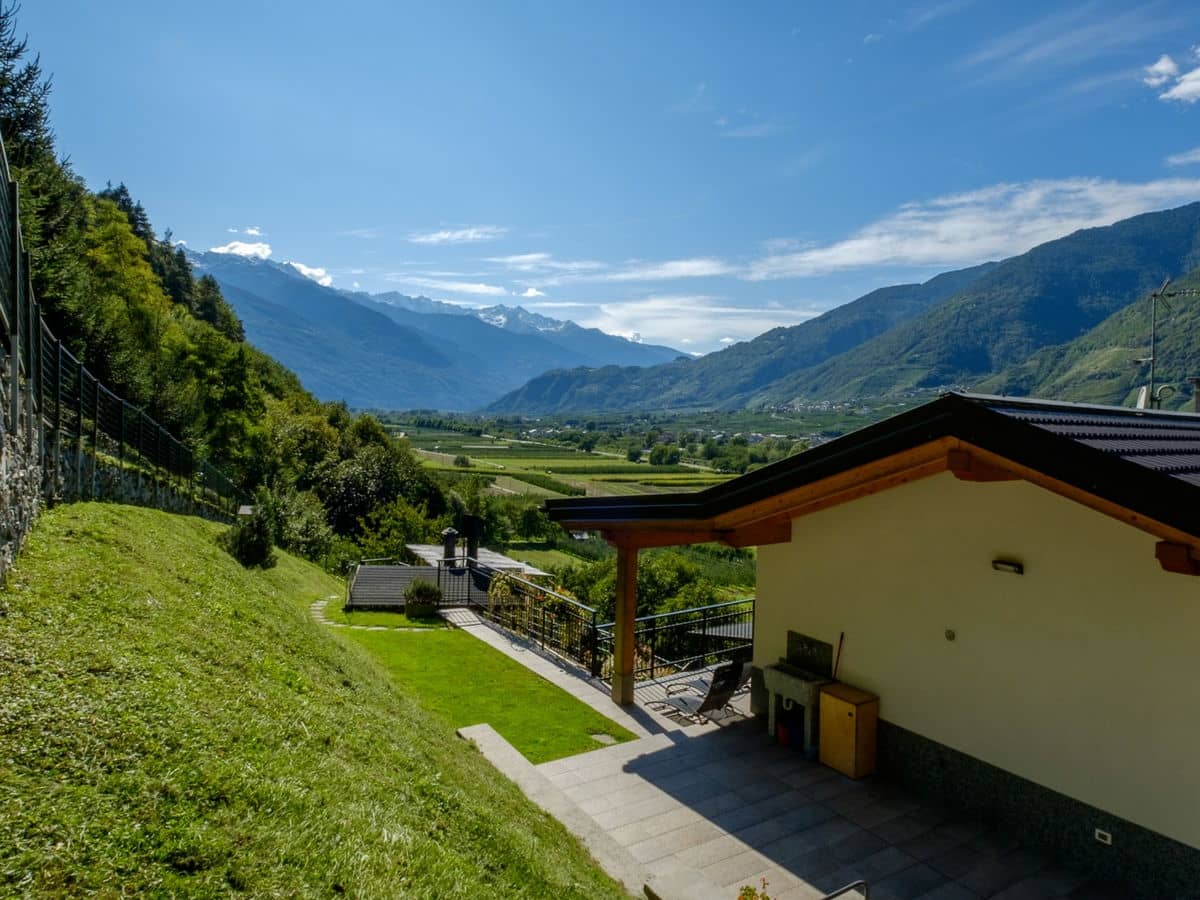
[1008, 565]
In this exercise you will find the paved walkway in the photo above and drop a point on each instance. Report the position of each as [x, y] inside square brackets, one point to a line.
[735, 807]
[698, 811]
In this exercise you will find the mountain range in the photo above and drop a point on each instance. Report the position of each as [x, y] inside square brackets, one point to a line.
[395, 351]
[1007, 326]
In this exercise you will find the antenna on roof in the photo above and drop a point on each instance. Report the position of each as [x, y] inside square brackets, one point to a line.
[1148, 396]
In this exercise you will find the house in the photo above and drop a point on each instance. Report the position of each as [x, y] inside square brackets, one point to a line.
[1016, 580]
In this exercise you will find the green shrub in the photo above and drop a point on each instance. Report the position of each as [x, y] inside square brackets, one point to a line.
[421, 599]
[249, 540]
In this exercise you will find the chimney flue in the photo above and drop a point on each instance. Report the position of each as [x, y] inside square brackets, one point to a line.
[1194, 381]
[449, 546]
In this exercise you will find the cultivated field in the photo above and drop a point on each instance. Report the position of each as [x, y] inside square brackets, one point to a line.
[544, 470]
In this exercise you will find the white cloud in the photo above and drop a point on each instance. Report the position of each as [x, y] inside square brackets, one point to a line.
[544, 262]
[727, 340]
[258, 250]
[357, 285]
[317, 274]
[697, 267]
[1161, 72]
[253, 231]
[180, 243]
[661, 319]
[1063, 39]
[451, 287]
[990, 223]
[470, 235]
[232, 230]
[531, 292]
[922, 16]
[1186, 89]
[873, 38]
[1187, 158]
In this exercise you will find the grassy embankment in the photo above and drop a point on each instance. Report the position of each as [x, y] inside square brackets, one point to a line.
[171, 724]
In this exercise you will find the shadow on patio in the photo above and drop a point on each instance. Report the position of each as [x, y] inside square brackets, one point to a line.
[734, 806]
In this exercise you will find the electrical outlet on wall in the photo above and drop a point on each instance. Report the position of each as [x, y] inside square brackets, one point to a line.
[1104, 837]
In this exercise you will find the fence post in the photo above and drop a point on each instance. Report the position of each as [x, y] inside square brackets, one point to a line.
[704, 638]
[542, 628]
[121, 450]
[141, 452]
[595, 648]
[79, 431]
[16, 325]
[31, 343]
[95, 434]
[653, 644]
[58, 351]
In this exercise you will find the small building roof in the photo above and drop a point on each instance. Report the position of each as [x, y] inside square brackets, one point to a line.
[433, 554]
[1142, 466]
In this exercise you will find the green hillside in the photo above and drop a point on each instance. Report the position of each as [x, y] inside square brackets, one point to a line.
[174, 725]
[1099, 367]
[955, 330]
[1050, 295]
[729, 378]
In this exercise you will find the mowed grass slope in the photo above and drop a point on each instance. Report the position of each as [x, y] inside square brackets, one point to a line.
[174, 725]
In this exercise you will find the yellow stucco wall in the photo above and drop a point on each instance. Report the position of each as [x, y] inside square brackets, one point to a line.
[1082, 675]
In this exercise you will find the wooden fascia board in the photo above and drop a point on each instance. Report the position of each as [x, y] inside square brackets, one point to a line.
[1160, 530]
[879, 475]
[776, 531]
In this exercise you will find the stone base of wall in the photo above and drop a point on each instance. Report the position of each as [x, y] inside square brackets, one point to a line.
[20, 496]
[1147, 864]
[69, 476]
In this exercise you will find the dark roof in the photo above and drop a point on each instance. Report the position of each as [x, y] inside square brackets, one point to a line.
[1146, 461]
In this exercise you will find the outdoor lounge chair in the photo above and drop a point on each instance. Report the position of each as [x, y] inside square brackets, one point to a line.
[727, 680]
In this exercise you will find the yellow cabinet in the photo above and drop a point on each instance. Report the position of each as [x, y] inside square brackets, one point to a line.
[848, 720]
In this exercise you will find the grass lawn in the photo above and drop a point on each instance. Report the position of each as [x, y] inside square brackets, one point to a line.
[173, 725]
[540, 556]
[335, 613]
[468, 682]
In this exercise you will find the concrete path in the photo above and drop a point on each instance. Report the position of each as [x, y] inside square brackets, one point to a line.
[734, 807]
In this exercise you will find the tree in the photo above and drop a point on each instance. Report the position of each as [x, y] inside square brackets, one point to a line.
[634, 454]
[664, 455]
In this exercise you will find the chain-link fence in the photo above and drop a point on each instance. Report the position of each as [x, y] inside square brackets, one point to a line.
[88, 443]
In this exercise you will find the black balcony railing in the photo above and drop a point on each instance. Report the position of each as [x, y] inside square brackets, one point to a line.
[556, 623]
[689, 639]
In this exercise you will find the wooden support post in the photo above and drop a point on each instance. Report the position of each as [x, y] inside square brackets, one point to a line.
[623, 637]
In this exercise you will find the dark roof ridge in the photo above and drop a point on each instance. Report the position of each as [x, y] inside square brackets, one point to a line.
[993, 400]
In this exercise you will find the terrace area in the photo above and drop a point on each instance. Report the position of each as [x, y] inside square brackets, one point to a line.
[699, 809]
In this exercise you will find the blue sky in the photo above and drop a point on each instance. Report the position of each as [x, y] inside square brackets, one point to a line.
[694, 173]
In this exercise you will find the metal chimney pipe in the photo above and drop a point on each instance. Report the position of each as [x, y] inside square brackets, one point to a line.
[1194, 381]
[449, 546]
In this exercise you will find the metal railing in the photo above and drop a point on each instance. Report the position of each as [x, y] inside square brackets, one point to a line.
[555, 622]
[91, 443]
[689, 639]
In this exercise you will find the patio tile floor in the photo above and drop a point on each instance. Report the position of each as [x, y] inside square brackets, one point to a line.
[734, 806]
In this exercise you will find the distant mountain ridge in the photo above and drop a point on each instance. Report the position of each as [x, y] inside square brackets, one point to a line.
[1109, 363]
[401, 352]
[962, 328]
[730, 378]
